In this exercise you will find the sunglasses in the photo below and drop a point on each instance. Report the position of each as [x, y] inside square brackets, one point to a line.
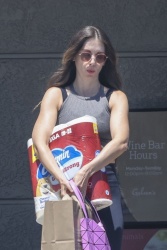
[87, 56]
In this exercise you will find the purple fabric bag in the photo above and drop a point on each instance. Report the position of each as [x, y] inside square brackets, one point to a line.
[93, 235]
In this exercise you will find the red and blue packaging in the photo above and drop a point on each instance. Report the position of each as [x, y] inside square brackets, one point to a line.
[73, 145]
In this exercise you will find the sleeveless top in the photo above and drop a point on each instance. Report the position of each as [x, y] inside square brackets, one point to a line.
[75, 106]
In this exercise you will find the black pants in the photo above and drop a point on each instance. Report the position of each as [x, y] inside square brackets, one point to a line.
[112, 217]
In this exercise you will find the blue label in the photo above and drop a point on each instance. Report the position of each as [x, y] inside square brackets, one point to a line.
[62, 156]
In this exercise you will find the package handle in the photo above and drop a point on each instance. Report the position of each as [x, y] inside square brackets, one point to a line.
[79, 197]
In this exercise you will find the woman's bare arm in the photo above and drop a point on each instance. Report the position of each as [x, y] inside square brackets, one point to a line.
[42, 131]
[119, 127]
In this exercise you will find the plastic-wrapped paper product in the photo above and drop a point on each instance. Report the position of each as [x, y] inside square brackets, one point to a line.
[73, 145]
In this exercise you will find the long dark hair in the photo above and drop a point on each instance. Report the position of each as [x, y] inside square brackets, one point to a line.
[66, 74]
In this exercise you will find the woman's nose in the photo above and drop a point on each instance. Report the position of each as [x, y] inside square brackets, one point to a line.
[92, 59]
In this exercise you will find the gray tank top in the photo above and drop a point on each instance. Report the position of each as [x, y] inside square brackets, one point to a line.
[76, 106]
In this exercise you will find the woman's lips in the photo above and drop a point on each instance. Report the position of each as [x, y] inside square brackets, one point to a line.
[90, 71]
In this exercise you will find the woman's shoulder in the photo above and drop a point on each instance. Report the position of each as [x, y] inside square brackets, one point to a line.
[119, 94]
[53, 96]
[113, 93]
[53, 90]
[118, 97]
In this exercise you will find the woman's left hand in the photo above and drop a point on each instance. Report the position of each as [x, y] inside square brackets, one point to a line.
[81, 180]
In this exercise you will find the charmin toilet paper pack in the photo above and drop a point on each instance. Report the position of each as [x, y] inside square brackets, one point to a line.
[73, 145]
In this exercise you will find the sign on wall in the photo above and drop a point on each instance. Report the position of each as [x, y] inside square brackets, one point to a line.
[144, 239]
[143, 168]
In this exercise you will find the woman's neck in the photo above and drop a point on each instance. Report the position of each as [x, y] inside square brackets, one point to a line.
[86, 88]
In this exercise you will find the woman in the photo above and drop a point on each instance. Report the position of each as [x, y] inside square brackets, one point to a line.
[88, 84]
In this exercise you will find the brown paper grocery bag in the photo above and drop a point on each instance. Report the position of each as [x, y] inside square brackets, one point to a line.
[60, 229]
